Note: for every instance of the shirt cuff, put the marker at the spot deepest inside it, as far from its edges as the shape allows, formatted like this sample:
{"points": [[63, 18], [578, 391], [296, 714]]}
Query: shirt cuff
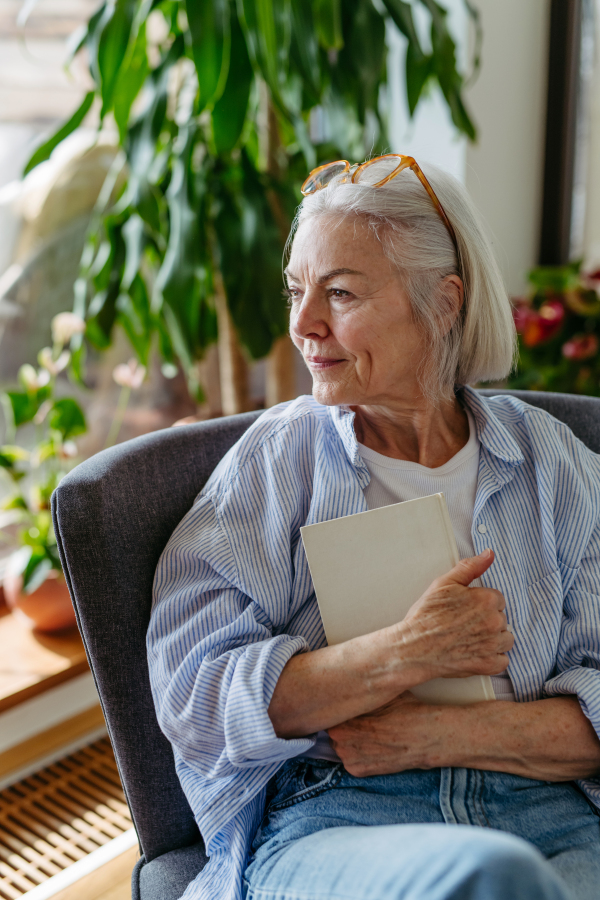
{"points": [[249, 734], [585, 684]]}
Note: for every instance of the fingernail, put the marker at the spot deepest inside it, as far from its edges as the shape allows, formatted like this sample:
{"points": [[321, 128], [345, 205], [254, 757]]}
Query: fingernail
{"points": [[485, 554]]}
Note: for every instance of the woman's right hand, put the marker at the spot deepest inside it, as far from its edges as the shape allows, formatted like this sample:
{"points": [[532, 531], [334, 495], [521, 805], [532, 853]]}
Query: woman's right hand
{"points": [[454, 630]]}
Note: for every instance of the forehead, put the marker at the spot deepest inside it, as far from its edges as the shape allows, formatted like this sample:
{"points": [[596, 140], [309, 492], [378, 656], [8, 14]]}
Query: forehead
{"points": [[326, 243]]}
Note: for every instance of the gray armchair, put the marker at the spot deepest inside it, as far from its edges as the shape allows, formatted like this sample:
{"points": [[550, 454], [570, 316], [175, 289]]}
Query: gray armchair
{"points": [[113, 515]]}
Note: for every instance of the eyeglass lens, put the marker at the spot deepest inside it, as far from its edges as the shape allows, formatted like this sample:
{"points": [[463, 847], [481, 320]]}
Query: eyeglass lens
{"points": [[377, 171], [320, 179]]}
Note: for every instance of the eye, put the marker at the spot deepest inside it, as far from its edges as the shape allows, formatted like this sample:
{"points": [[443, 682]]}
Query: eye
{"points": [[338, 293], [291, 294]]}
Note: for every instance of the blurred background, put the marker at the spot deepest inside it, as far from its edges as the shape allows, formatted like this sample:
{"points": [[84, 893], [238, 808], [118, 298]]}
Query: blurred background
{"points": [[151, 157]]}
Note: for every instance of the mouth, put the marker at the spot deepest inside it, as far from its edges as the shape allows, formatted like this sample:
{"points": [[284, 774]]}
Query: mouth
{"points": [[319, 363]]}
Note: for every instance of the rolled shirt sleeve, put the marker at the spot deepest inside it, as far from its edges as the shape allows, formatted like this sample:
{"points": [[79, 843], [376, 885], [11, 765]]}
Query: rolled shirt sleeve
{"points": [[213, 649], [578, 656]]}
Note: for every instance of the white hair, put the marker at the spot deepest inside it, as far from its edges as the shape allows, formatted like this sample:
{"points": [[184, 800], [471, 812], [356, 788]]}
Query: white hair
{"points": [[481, 344]]}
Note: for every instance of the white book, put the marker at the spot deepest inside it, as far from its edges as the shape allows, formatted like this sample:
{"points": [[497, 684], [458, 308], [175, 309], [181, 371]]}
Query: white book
{"points": [[370, 568]]}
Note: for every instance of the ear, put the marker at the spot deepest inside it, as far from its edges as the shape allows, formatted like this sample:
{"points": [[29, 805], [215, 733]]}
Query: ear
{"points": [[453, 290]]}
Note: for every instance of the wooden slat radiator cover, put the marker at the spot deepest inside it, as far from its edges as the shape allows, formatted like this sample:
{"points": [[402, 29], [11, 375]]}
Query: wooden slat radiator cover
{"points": [[51, 819]]}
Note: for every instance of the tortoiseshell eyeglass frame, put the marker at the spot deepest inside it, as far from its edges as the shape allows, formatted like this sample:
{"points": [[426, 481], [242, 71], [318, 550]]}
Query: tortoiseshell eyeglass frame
{"points": [[404, 162]]}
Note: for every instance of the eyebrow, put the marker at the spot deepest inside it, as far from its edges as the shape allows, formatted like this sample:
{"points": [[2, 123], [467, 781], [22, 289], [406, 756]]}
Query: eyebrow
{"points": [[324, 278]]}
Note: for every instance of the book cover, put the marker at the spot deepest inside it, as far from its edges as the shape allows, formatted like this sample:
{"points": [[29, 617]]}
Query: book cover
{"points": [[368, 570]]}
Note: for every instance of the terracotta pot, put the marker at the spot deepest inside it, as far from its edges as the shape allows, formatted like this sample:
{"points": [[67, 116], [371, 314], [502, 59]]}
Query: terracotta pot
{"points": [[48, 608]]}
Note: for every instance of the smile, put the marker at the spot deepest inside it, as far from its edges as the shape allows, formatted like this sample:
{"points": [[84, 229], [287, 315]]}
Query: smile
{"points": [[322, 362]]}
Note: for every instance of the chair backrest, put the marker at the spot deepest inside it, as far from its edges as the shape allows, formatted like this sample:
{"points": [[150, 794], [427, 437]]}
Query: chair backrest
{"points": [[113, 515]]}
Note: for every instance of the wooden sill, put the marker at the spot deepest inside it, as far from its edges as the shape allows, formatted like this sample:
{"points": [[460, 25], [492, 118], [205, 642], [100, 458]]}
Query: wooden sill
{"points": [[31, 663]]}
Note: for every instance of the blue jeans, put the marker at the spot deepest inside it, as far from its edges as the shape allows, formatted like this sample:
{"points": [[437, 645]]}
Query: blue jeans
{"points": [[444, 834]]}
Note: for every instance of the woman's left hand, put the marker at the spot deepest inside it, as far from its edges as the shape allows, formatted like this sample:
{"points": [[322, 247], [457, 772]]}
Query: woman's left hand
{"points": [[403, 734], [550, 740]]}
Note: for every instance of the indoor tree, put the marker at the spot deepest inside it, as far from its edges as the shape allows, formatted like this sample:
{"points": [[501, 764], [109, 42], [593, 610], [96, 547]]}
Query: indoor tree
{"points": [[221, 108]]}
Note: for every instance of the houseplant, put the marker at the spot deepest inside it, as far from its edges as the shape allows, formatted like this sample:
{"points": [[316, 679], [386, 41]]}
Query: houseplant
{"points": [[558, 325], [33, 582], [221, 107]]}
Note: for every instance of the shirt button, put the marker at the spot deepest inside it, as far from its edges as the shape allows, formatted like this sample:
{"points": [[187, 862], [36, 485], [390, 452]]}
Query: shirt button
{"points": [[481, 528]]}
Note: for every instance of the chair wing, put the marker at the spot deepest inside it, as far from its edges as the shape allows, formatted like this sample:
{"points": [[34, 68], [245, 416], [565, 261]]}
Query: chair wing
{"points": [[113, 515]]}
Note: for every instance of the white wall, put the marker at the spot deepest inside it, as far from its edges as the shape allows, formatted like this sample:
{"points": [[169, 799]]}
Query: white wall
{"points": [[504, 171]]}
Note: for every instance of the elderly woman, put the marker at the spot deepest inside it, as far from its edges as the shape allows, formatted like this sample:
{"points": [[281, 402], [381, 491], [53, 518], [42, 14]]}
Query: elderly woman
{"points": [[313, 772]]}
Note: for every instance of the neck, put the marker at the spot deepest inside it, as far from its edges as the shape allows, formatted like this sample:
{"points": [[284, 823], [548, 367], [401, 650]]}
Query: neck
{"points": [[415, 431]]}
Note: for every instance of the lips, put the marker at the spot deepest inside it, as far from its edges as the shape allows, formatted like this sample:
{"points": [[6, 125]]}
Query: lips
{"points": [[322, 362]]}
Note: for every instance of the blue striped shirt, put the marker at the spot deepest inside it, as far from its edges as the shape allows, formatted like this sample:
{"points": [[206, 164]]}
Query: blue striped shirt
{"points": [[233, 597]]}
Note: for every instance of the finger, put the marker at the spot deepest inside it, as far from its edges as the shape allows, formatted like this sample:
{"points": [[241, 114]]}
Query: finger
{"points": [[467, 570], [507, 642], [502, 661]]}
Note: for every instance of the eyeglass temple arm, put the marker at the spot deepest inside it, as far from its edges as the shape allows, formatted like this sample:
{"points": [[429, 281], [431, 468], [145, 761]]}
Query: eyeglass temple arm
{"points": [[420, 175]]}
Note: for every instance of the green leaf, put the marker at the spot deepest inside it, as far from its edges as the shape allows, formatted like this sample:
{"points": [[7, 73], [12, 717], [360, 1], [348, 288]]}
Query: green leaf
{"points": [[144, 136], [33, 564], [229, 112], [304, 51], [24, 405], [418, 63], [250, 258], [67, 417], [443, 62], [47, 450], [77, 364], [133, 235], [401, 14], [42, 153], [102, 308], [180, 283], [115, 31], [36, 571], [16, 501], [211, 45], [555, 279], [418, 71], [135, 318], [130, 81], [362, 59], [11, 454], [328, 17], [267, 26]]}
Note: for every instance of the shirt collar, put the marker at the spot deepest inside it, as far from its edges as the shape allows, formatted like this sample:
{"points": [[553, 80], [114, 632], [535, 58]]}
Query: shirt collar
{"points": [[492, 434]]}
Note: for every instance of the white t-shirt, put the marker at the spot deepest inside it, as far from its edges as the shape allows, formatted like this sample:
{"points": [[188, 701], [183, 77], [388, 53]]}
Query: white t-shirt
{"points": [[396, 480]]}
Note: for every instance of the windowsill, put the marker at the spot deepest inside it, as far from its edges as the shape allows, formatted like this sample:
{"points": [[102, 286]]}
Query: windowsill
{"points": [[32, 663]]}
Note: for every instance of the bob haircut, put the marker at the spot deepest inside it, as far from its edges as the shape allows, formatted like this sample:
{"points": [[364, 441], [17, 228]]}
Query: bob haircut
{"points": [[481, 344]]}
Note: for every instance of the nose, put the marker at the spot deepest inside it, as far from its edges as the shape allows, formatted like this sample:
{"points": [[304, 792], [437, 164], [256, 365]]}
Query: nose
{"points": [[308, 319]]}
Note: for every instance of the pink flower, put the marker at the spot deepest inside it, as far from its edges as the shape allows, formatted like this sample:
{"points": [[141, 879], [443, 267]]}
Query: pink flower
{"points": [[54, 366], [32, 380], [580, 346], [65, 326], [129, 374]]}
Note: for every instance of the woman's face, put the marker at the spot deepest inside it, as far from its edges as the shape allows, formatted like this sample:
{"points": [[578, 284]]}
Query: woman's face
{"points": [[350, 317]]}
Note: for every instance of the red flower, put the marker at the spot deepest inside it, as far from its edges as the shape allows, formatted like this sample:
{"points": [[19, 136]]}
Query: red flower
{"points": [[580, 346], [521, 312], [540, 325]]}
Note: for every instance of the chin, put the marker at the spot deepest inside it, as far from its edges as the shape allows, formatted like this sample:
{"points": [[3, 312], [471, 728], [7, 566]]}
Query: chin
{"points": [[331, 394]]}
